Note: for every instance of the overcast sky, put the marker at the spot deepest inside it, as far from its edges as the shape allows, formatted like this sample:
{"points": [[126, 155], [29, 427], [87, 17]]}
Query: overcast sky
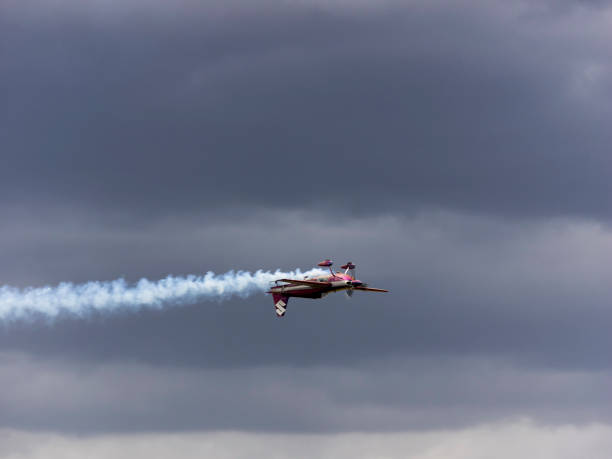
{"points": [[458, 152]]}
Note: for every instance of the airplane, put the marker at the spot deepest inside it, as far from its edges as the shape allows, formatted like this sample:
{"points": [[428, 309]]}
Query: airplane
{"points": [[315, 287]]}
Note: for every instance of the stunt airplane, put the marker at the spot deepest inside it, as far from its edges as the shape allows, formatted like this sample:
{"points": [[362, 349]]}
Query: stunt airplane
{"points": [[317, 286]]}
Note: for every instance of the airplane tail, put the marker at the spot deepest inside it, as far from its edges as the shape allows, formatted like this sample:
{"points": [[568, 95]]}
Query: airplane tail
{"points": [[280, 303]]}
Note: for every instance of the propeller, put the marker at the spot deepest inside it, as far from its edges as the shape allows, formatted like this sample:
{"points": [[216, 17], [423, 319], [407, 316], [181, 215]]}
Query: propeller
{"points": [[349, 293]]}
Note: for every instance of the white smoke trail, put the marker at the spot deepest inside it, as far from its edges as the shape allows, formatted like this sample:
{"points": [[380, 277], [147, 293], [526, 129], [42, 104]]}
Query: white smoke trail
{"points": [[80, 299]]}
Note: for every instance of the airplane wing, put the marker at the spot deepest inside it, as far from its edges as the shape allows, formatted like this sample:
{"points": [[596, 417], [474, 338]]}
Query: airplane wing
{"points": [[370, 289], [306, 282]]}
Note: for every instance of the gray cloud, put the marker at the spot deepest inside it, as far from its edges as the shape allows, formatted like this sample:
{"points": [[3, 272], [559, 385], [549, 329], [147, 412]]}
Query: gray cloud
{"points": [[504, 441], [459, 285], [489, 108], [411, 394]]}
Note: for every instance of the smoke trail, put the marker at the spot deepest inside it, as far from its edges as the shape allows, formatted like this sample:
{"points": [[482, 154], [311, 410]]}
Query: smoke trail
{"points": [[80, 299]]}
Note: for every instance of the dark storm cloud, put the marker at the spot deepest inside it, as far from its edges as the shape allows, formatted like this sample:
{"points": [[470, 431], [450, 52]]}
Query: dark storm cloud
{"points": [[144, 140], [490, 107]]}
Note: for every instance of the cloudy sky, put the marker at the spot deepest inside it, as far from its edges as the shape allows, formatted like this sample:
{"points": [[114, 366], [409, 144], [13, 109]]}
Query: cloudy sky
{"points": [[457, 151]]}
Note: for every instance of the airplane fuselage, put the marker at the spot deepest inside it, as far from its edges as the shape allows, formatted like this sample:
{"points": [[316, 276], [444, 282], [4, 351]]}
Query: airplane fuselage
{"points": [[337, 282]]}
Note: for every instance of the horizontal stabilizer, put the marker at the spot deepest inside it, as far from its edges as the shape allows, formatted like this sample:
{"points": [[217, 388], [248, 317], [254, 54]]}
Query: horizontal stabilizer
{"points": [[280, 304]]}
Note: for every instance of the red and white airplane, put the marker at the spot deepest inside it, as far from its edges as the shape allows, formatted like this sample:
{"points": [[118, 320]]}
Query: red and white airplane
{"points": [[317, 286]]}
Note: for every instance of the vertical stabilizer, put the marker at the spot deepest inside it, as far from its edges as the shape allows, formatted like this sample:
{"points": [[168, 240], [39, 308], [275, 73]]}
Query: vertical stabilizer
{"points": [[280, 303]]}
